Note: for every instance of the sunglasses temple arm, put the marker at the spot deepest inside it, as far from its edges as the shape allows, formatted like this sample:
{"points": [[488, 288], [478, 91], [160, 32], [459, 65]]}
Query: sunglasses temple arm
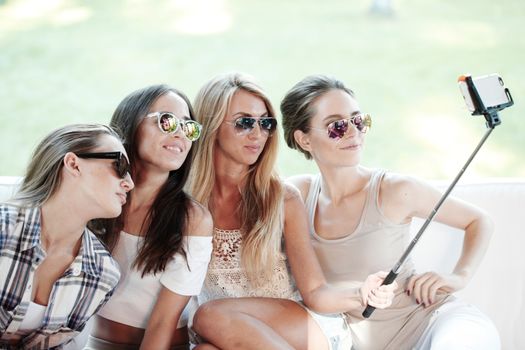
{"points": [[395, 270]]}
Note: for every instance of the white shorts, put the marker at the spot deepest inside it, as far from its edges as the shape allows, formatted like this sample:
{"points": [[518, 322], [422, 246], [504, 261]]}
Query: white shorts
{"points": [[334, 328]]}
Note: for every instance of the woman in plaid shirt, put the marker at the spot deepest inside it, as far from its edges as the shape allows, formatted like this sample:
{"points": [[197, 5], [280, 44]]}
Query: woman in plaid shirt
{"points": [[54, 273]]}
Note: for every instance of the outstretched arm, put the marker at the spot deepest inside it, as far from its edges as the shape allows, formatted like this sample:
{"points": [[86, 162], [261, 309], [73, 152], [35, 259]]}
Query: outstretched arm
{"points": [[410, 197]]}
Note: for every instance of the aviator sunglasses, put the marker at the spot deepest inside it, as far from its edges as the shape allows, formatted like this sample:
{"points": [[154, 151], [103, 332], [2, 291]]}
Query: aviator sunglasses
{"points": [[168, 123], [338, 128], [122, 165], [245, 125]]}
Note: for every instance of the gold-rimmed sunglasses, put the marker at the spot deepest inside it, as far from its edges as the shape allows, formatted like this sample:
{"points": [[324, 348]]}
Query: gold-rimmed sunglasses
{"points": [[168, 123]]}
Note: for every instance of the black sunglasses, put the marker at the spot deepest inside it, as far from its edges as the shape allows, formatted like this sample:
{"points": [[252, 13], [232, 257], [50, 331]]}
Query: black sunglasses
{"points": [[121, 165], [244, 125]]}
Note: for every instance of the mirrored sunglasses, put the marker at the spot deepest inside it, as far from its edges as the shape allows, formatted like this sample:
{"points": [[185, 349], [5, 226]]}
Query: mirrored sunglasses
{"points": [[337, 129], [122, 165], [245, 125], [168, 123]]}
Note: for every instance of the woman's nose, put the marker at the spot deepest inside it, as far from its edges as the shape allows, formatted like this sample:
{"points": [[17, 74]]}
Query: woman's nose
{"points": [[128, 182], [257, 131]]}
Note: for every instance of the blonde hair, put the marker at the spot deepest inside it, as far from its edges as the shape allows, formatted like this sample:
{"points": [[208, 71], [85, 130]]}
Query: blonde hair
{"points": [[261, 207], [43, 175]]}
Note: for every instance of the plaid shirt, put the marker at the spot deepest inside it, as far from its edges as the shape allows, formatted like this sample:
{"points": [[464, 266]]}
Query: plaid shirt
{"points": [[84, 287]]}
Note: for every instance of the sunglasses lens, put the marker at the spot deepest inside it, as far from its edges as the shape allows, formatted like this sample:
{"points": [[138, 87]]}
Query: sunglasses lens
{"points": [[358, 123], [362, 122], [168, 123], [245, 123], [122, 166], [192, 130], [337, 129], [268, 124]]}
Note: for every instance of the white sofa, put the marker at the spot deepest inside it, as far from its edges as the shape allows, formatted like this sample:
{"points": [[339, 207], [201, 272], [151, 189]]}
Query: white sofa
{"points": [[498, 288]]}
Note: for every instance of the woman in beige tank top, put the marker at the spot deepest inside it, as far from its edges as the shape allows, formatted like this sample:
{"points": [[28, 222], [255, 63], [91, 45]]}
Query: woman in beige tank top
{"points": [[359, 222]]}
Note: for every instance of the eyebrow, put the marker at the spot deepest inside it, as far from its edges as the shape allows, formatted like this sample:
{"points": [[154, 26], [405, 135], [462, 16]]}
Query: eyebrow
{"points": [[245, 114], [340, 116]]}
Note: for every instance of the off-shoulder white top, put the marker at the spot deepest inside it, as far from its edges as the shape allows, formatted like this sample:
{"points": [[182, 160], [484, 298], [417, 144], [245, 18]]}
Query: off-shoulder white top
{"points": [[135, 296]]}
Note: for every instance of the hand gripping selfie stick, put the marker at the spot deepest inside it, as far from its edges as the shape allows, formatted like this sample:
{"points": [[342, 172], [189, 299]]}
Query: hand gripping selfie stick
{"points": [[492, 120]]}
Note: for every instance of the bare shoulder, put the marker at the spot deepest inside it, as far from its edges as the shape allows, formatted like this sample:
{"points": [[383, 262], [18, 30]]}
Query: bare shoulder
{"points": [[403, 196], [200, 221], [291, 193], [292, 199], [294, 213], [301, 182], [394, 185]]}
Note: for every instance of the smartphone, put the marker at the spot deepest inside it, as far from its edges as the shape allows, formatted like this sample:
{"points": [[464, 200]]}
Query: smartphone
{"points": [[491, 91]]}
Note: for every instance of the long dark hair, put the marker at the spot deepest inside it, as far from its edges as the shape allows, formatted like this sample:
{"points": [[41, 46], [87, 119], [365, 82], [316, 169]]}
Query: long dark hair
{"points": [[168, 216]]}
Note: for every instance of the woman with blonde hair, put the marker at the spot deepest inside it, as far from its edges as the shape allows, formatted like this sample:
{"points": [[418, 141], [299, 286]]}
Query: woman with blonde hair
{"points": [[249, 299], [54, 273]]}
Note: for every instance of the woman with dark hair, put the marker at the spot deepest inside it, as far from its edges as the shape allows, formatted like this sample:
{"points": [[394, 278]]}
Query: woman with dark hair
{"points": [[162, 240], [359, 220], [54, 273]]}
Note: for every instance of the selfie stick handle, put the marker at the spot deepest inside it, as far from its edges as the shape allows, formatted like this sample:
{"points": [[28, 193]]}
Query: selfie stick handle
{"points": [[395, 270]]}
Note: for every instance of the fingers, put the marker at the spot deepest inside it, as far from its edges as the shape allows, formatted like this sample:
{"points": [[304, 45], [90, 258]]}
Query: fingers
{"points": [[375, 280], [392, 285], [424, 287], [372, 282], [375, 294], [381, 298]]}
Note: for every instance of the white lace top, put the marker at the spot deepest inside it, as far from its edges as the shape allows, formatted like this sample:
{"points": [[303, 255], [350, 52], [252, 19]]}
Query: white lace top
{"points": [[227, 278]]}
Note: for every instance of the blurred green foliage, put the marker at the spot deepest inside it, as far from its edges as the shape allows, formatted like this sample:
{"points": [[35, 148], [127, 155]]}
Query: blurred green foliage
{"points": [[73, 61]]}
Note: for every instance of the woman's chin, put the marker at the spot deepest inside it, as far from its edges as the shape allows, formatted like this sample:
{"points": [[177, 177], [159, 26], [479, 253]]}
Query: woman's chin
{"points": [[112, 212]]}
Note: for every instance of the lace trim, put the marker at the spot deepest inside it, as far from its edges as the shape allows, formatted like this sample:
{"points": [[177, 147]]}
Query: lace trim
{"points": [[226, 244], [227, 278]]}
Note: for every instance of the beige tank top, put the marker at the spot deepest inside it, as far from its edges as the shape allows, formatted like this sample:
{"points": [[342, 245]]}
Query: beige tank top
{"points": [[376, 244]]}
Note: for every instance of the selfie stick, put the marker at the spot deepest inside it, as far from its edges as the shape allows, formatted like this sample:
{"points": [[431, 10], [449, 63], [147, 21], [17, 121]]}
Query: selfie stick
{"points": [[492, 120]]}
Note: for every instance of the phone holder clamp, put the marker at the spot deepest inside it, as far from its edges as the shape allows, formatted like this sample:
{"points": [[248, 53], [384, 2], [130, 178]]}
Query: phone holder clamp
{"points": [[491, 113]]}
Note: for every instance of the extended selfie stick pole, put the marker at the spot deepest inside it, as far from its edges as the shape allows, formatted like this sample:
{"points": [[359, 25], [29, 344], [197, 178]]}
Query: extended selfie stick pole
{"points": [[492, 119], [395, 270]]}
